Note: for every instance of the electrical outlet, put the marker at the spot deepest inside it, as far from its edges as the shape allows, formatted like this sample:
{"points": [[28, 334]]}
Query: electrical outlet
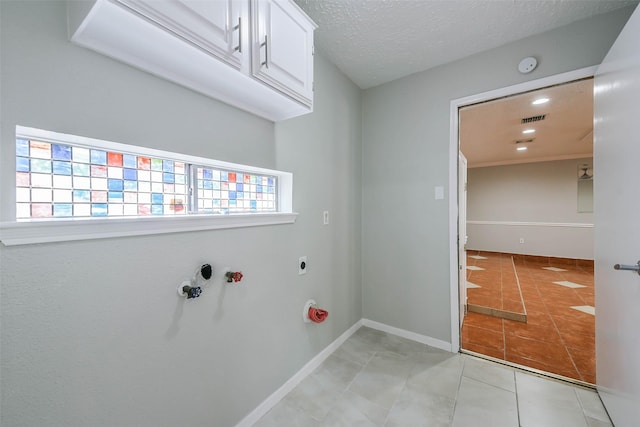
{"points": [[522, 240], [302, 265]]}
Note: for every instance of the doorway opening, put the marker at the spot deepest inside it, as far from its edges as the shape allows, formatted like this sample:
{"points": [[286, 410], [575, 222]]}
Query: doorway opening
{"points": [[525, 282]]}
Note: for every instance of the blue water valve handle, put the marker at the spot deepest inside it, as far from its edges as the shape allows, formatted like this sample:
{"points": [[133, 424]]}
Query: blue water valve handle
{"points": [[192, 292]]}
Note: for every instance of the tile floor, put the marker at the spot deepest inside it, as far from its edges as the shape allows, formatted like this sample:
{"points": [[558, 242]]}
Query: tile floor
{"points": [[559, 336], [378, 379], [495, 284]]}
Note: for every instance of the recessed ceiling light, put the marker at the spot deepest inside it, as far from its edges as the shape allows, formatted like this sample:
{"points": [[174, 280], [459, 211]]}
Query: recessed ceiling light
{"points": [[528, 131], [521, 148], [540, 101]]}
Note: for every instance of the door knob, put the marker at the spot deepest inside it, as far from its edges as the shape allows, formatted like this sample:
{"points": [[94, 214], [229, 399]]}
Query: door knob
{"points": [[635, 268]]}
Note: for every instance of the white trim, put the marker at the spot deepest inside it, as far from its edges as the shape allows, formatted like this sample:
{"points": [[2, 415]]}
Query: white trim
{"points": [[453, 173], [532, 160], [64, 230], [45, 230], [454, 263], [433, 342], [297, 378], [533, 224]]}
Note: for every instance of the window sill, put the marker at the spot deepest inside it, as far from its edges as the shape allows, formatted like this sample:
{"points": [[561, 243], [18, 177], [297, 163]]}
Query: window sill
{"points": [[64, 230]]}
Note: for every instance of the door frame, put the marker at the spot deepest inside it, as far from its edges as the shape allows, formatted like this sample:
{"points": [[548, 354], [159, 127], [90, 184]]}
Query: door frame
{"points": [[454, 147], [462, 236]]}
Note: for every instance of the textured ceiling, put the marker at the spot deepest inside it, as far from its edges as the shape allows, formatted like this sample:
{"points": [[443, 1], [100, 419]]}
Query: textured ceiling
{"points": [[377, 41]]}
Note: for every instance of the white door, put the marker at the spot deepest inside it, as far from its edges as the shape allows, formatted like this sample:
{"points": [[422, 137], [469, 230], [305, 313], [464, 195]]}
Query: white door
{"points": [[617, 226], [462, 234]]}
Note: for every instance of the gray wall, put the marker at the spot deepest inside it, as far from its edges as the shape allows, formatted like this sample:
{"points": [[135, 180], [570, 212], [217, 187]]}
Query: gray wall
{"points": [[543, 193], [93, 333], [405, 255]]}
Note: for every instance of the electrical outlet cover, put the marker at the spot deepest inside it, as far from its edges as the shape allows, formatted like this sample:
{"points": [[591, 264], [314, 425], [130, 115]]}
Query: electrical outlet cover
{"points": [[302, 265]]}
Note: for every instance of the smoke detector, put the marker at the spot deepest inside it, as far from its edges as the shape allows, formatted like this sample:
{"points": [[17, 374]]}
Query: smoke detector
{"points": [[527, 65]]}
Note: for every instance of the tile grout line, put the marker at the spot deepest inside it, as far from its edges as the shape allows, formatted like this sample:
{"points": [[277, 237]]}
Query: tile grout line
{"points": [[501, 284], [504, 341], [557, 330], [455, 400], [564, 344], [515, 271], [504, 334], [515, 384], [584, 412], [354, 379]]}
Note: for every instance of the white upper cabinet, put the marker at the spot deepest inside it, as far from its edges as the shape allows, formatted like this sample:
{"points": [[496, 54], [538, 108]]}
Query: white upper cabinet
{"points": [[283, 36], [214, 26], [256, 55]]}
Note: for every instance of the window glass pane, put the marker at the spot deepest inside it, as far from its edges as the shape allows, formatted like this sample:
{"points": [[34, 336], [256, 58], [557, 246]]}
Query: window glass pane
{"points": [[114, 159], [63, 176], [40, 150], [22, 147], [129, 161], [61, 152], [41, 210], [226, 192], [98, 157], [61, 168], [80, 155], [60, 180]]}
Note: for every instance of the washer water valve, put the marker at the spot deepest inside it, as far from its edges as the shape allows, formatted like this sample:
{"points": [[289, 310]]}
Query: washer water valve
{"points": [[188, 288], [191, 292], [233, 276]]}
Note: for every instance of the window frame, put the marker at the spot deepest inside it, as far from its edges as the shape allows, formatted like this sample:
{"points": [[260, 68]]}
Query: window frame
{"points": [[44, 230]]}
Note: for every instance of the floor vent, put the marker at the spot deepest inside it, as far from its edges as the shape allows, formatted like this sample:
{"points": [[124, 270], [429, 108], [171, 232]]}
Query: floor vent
{"points": [[533, 119]]}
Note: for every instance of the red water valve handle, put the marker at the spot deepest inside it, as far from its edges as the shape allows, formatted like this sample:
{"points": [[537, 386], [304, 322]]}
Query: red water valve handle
{"points": [[233, 276]]}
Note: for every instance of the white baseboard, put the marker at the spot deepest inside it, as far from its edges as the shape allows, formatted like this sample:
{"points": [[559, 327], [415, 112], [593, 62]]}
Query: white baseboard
{"points": [[433, 342], [292, 382], [307, 369]]}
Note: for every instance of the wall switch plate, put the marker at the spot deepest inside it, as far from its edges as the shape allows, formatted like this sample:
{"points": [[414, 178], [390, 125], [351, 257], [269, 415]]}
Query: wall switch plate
{"points": [[325, 217], [439, 192], [302, 265]]}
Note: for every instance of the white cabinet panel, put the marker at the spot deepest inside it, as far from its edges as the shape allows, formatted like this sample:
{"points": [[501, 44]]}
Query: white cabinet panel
{"points": [[213, 26], [283, 48], [210, 46]]}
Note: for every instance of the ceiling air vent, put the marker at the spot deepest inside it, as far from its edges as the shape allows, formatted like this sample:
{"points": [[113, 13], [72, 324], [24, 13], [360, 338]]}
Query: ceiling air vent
{"points": [[533, 119], [524, 141]]}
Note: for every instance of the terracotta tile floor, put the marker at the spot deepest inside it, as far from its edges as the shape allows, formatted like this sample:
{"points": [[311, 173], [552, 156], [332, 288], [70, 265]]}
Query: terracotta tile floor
{"points": [[497, 280], [556, 337]]}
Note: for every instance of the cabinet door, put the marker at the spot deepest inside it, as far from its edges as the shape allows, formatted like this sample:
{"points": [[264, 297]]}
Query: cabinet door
{"points": [[283, 48], [216, 27]]}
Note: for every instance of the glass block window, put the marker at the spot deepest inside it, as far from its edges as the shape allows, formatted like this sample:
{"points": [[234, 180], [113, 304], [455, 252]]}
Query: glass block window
{"points": [[223, 192], [63, 179], [60, 180]]}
